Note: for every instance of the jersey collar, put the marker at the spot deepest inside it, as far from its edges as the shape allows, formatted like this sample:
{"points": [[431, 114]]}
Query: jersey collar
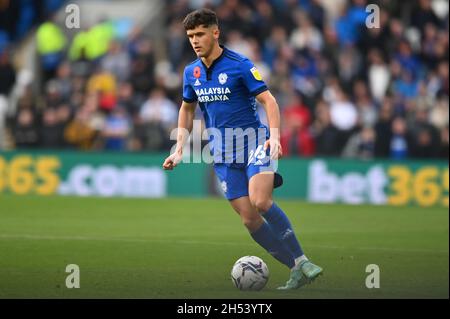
{"points": [[216, 60]]}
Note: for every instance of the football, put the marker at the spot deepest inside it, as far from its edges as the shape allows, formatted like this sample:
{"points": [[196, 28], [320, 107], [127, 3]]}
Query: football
{"points": [[250, 273]]}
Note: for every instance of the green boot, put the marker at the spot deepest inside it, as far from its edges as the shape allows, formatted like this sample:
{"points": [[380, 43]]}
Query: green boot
{"points": [[302, 274]]}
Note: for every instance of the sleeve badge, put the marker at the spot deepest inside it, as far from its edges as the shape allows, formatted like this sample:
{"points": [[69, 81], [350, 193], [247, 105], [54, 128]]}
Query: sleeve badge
{"points": [[256, 73]]}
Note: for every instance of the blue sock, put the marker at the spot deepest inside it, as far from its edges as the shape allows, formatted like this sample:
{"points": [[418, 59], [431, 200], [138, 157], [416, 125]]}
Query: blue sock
{"points": [[281, 226], [266, 238]]}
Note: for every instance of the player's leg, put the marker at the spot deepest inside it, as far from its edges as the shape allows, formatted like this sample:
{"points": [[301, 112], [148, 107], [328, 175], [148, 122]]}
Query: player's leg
{"points": [[260, 193], [260, 231], [234, 184]]}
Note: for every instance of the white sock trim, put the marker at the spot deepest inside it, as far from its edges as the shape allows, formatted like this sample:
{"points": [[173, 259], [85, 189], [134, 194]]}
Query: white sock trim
{"points": [[300, 259]]}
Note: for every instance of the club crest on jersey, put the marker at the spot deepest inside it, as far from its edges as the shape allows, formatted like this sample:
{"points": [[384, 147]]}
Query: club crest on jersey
{"points": [[256, 73], [223, 78], [224, 186]]}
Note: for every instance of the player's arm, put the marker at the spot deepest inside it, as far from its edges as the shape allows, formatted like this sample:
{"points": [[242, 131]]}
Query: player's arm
{"points": [[270, 105], [185, 123]]}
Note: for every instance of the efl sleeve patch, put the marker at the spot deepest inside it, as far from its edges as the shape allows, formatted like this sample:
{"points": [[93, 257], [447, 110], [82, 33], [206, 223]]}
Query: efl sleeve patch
{"points": [[256, 73], [252, 78]]}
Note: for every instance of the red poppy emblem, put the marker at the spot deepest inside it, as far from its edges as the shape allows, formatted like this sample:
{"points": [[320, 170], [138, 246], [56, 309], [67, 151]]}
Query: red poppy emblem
{"points": [[197, 72]]}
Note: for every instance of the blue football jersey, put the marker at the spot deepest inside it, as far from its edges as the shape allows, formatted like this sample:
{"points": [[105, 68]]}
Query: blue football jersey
{"points": [[226, 94]]}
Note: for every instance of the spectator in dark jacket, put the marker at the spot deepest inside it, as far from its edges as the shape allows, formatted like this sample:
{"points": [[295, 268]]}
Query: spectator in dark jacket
{"points": [[7, 74], [326, 135], [383, 129], [26, 131], [425, 137]]}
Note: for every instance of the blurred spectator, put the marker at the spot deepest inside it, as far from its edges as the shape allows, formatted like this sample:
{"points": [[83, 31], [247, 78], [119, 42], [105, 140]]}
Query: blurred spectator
{"points": [[367, 113], [305, 74], [236, 42], [158, 108], [273, 45], [424, 100], [396, 35], [424, 14], [7, 74], [425, 136], [351, 22], [53, 96], [7, 81], [279, 81], [103, 84], [128, 100], [3, 115], [79, 133], [18, 17], [424, 145], [383, 129], [439, 113], [325, 134], [176, 43], [25, 129], [157, 117], [378, 75], [344, 117], [349, 66], [63, 80], [296, 138], [93, 43], [53, 122], [407, 60], [117, 62], [406, 87], [444, 146], [361, 144], [142, 68], [317, 13], [115, 130], [51, 42], [263, 19], [399, 143], [9, 13], [305, 36], [375, 39], [442, 72], [433, 48]]}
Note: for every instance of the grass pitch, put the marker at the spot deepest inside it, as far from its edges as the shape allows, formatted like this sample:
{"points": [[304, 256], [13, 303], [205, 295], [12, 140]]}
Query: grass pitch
{"points": [[185, 248]]}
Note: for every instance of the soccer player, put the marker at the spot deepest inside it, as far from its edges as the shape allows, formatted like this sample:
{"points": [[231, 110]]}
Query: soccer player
{"points": [[225, 85]]}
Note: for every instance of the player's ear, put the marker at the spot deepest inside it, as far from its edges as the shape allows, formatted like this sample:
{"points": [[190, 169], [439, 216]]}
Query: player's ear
{"points": [[216, 32]]}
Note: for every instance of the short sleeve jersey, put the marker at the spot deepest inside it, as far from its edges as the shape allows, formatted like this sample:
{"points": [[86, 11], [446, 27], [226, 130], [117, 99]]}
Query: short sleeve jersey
{"points": [[226, 94]]}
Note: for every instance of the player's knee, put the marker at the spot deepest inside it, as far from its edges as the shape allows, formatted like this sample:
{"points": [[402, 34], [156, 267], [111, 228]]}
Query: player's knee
{"points": [[252, 223], [262, 205]]}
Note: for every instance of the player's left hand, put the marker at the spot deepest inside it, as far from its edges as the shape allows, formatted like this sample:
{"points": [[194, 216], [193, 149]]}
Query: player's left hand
{"points": [[275, 148]]}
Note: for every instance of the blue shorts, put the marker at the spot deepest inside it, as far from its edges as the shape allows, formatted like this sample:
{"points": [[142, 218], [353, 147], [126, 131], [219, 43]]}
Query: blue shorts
{"points": [[234, 177]]}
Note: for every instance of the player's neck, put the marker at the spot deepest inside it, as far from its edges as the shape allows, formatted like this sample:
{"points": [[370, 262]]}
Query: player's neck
{"points": [[215, 53]]}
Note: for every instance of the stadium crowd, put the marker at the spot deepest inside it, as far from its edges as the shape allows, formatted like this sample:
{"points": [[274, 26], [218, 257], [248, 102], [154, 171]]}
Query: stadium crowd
{"points": [[343, 89]]}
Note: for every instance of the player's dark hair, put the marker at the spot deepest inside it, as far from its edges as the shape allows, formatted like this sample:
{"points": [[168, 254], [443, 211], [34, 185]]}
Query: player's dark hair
{"points": [[200, 17]]}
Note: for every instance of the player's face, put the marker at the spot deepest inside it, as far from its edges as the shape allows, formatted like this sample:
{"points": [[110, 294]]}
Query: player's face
{"points": [[203, 39]]}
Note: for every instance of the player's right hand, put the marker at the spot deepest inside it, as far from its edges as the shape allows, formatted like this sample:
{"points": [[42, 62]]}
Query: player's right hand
{"points": [[172, 161]]}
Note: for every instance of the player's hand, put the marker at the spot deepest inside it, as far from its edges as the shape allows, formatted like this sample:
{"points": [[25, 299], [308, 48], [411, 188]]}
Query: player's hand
{"points": [[275, 148], [172, 161]]}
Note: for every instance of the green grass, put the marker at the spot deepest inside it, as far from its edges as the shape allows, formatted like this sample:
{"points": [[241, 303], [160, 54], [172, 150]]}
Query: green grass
{"points": [[185, 248]]}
